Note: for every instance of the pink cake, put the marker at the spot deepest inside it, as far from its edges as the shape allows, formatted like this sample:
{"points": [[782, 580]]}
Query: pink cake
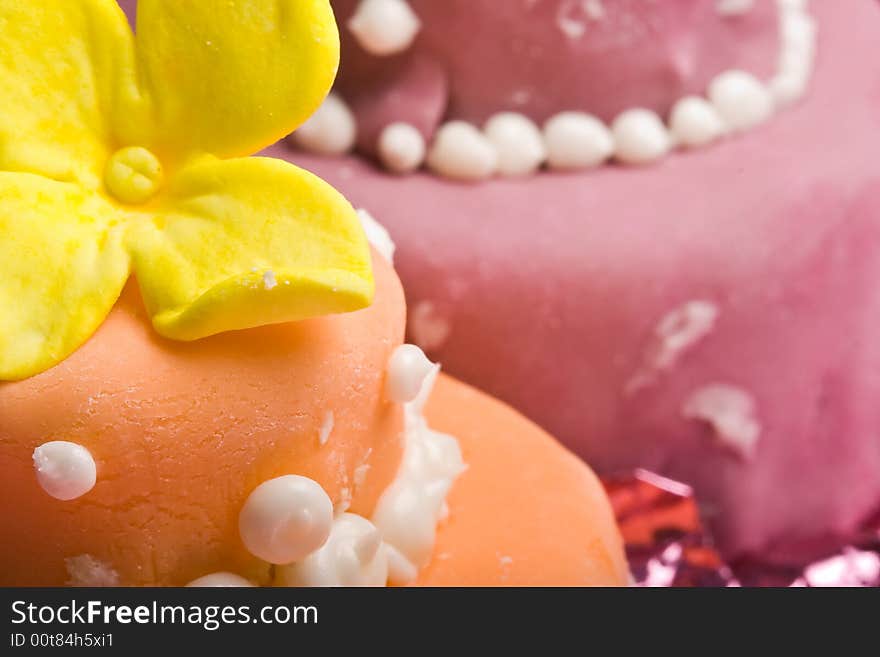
{"points": [[666, 252], [709, 315]]}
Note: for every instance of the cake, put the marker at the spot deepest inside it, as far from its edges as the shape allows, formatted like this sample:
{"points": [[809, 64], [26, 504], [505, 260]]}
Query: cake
{"points": [[203, 374], [651, 226]]}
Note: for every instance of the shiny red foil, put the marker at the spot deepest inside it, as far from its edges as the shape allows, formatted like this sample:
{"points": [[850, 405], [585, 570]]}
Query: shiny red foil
{"points": [[667, 544]]}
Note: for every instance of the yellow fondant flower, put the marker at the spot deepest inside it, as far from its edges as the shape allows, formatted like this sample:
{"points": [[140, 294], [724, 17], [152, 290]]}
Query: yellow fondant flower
{"points": [[123, 154]]}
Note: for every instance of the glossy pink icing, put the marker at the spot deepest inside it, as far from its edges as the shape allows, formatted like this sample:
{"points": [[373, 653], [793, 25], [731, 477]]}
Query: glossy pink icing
{"points": [[553, 287], [473, 58]]}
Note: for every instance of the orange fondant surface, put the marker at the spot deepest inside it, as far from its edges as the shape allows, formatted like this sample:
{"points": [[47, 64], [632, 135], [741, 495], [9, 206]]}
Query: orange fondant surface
{"points": [[183, 432], [526, 512]]}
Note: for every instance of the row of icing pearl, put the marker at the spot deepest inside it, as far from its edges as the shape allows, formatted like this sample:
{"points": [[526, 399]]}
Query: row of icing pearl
{"points": [[289, 522], [510, 144]]}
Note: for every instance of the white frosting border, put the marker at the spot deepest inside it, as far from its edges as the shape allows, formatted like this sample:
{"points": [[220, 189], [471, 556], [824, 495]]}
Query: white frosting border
{"points": [[512, 145]]}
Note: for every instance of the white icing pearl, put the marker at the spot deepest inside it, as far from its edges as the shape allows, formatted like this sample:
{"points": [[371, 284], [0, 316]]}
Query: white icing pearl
{"points": [[285, 519], [575, 140], [517, 141], [352, 556], [65, 470], [377, 235], [384, 27], [407, 369], [401, 148], [640, 137], [462, 152], [695, 122], [331, 130], [741, 99], [221, 580]]}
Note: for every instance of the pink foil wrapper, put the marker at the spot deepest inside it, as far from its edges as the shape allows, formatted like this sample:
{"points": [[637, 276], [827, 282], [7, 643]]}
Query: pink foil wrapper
{"points": [[667, 544]]}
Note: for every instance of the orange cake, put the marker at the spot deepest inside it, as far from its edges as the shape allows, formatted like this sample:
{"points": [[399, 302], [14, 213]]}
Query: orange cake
{"points": [[203, 378]]}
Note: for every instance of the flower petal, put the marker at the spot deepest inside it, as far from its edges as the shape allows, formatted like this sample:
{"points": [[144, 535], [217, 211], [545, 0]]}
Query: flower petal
{"points": [[65, 67], [231, 77], [62, 266], [247, 242]]}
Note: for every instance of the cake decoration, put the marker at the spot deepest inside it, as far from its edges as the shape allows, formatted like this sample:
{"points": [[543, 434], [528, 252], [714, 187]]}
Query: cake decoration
{"points": [[331, 130], [695, 122], [730, 411], [678, 331], [64, 470], [286, 519], [86, 570], [736, 101], [221, 580], [462, 152], [378, 236], [401, 148], [354, 555], [384, 27], [407, 371], [518, 142], [576, 140], [640, 137], [123, 155], [410, 509]]}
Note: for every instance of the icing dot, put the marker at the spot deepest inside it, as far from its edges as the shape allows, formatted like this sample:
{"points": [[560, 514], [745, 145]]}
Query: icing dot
{"points": [[352, 556], [86, 570], [576, 141], [407, 369], [331, 130], [518, 143], [326, 428], [401, 148], [639, 137], [429, 328], [224, 580], [734, 7], [285, 519], [741, 100], [462, 152], [133, 175], [377, 235], [695, 122], [65, 470], [731, 413], [384, 27]]}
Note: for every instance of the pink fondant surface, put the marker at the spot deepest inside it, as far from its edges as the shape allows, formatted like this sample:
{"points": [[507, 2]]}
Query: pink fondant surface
{"points": [[552, 288], [473, 58]]}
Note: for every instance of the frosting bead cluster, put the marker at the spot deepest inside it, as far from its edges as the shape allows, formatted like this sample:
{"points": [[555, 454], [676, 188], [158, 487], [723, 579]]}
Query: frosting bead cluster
{"points": [[511, 144], [289, 521]]}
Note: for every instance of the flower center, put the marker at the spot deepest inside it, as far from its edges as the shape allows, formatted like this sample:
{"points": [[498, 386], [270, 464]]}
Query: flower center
{"points": [[133, 175]]}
